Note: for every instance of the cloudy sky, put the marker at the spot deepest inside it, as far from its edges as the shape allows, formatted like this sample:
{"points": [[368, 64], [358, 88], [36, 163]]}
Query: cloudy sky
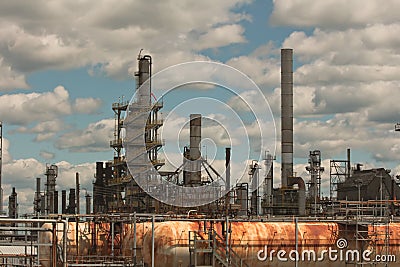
{"points": [[63, 63]]}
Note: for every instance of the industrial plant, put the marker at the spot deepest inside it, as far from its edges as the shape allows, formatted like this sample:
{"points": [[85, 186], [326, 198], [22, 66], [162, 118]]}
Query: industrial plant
{"points": [[127, 223]]}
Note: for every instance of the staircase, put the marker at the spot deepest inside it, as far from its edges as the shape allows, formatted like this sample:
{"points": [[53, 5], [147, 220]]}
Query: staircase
{"points": [[210, 250]]}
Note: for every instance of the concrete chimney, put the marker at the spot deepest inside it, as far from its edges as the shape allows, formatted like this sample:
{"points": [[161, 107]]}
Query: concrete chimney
{"points": [[287, 114]]}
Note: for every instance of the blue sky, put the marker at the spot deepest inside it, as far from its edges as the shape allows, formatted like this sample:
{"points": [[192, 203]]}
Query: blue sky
{"points": [[63, 64]]}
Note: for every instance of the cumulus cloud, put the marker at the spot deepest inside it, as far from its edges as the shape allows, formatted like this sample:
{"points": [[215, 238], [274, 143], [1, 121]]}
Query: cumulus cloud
{"points": [[34, 106], [86, 105], [96, 137], [262, 66], [334, 13], [42, 113], [69, 35]]}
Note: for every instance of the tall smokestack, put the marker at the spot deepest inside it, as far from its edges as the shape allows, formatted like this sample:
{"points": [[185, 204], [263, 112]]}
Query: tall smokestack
{"points": [[194, 152], [287, 114]]}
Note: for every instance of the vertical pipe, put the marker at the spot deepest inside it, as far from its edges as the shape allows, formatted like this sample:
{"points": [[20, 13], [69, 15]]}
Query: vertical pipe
{"points": [[296, 232], [77, 193], [65, 232], [112, 237], [152, 240], [134, 239], [77, 235], [228, 169], [228, 254], [348, 163], [269, 167], [287, 114], [227, 179], [54, 245]]}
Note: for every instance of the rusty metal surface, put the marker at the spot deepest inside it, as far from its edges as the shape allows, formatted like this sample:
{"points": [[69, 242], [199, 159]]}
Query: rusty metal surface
{"points": [[247, 238]]}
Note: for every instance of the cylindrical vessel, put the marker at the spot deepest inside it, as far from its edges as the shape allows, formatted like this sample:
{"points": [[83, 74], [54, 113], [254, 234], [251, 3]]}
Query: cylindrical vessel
{"points": [[253, 240]]}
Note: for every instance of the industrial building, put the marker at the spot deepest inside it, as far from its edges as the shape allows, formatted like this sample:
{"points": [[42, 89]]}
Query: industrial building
{"points": [[125, 226]]}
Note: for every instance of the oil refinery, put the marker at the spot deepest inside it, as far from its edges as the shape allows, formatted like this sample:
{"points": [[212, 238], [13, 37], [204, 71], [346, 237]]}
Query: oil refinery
{"points": [[253, 224]]}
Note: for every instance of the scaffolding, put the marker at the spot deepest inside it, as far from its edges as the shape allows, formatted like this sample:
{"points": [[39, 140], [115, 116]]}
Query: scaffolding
{"points": [[209, 249], [338, 174]]}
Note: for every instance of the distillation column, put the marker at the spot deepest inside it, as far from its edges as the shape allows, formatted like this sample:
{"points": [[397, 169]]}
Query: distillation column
{"points": [[51, 174]]}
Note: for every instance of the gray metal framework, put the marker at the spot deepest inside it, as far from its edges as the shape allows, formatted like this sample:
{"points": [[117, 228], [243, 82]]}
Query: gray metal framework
{"points": [[338, 174]]}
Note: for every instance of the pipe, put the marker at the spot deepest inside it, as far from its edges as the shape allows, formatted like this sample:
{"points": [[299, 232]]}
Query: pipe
{"points": [[348, 163], [77, 193], [227, 179], [296, 232], [269, 161], [152, 240], [227, 169], [134, 239], [112, 238], [302, 193]]}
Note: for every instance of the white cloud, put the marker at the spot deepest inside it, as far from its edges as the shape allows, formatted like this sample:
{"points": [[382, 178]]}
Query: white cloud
{"points": [[221, 36], [262, 66], [34, 106], [96, 137], [86, 105], [334, 13], [69, 35], [45, 108]]}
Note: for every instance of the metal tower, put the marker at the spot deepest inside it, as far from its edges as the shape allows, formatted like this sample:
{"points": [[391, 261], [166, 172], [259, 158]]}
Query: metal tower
{"points": [[339, 172], [315, 171]]}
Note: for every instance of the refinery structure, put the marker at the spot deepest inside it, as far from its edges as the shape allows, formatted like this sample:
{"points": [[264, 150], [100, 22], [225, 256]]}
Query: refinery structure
{"points": [[251, 225]]}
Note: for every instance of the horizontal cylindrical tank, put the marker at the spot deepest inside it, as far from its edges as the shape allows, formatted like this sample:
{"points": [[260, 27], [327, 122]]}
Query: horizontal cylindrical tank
{"points": [[247, 239], [128, 240], [93, 239]]}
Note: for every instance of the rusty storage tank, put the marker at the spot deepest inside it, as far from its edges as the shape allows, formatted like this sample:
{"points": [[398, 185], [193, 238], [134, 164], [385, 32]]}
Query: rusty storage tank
{"points": [[247, 239], [128, 239], [93, 239]]}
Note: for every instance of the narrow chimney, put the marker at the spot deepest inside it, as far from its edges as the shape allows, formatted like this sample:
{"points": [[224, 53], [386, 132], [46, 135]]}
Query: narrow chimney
{"points": [[287, 114], [194, 152]]}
